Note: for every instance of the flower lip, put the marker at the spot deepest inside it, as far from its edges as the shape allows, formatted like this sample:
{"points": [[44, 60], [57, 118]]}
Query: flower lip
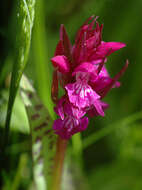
{"points": [[81, 94]]}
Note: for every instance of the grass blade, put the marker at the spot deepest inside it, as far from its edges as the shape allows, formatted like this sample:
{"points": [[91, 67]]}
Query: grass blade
{"points": [[24, 23]]}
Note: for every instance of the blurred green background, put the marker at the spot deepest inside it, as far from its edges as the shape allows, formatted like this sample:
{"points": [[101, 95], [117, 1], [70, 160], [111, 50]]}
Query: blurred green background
{"points": [[112, 153]]}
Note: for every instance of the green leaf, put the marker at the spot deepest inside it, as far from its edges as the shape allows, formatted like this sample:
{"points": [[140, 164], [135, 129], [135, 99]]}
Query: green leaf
{"points": [[43, 137], [24, 23]]}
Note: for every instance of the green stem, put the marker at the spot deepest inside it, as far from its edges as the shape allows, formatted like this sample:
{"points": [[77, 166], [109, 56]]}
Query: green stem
{"points": [[59, 162], [77, 148]]}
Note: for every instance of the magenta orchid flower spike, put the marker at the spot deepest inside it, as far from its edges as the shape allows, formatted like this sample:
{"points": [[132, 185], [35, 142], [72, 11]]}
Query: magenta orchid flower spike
{"points": [[81, 72]]}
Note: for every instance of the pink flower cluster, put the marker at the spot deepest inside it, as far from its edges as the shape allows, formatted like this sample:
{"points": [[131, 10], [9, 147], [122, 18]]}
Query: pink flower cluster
{"points": [[81, 72]]}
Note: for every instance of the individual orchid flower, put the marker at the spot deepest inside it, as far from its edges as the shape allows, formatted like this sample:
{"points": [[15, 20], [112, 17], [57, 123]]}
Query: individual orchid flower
{"points": [[82, 95], [71, 119], [80, 70]]}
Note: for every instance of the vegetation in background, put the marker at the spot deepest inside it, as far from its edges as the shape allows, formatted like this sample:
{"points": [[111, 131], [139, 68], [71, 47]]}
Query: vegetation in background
{"points": [[109, 154]]}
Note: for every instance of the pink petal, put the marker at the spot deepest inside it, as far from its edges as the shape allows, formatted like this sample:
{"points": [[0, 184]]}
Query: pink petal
{"points": [[94, 112], [59, 49], [106, 48], [66, 42], [61, 63], [73, 111], [83, 124], [86, 67], [91, 25], [54, 89], [69, 126], [79, 49], [64, 107], [104, 72], [101, 83], [83, 29], [114, 46], [98, 61], [95, 39], [98, 106], [60, 110]]}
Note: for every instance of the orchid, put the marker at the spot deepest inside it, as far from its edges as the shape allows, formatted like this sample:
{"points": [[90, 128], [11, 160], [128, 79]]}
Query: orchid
{"points": [[80, 70]]}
